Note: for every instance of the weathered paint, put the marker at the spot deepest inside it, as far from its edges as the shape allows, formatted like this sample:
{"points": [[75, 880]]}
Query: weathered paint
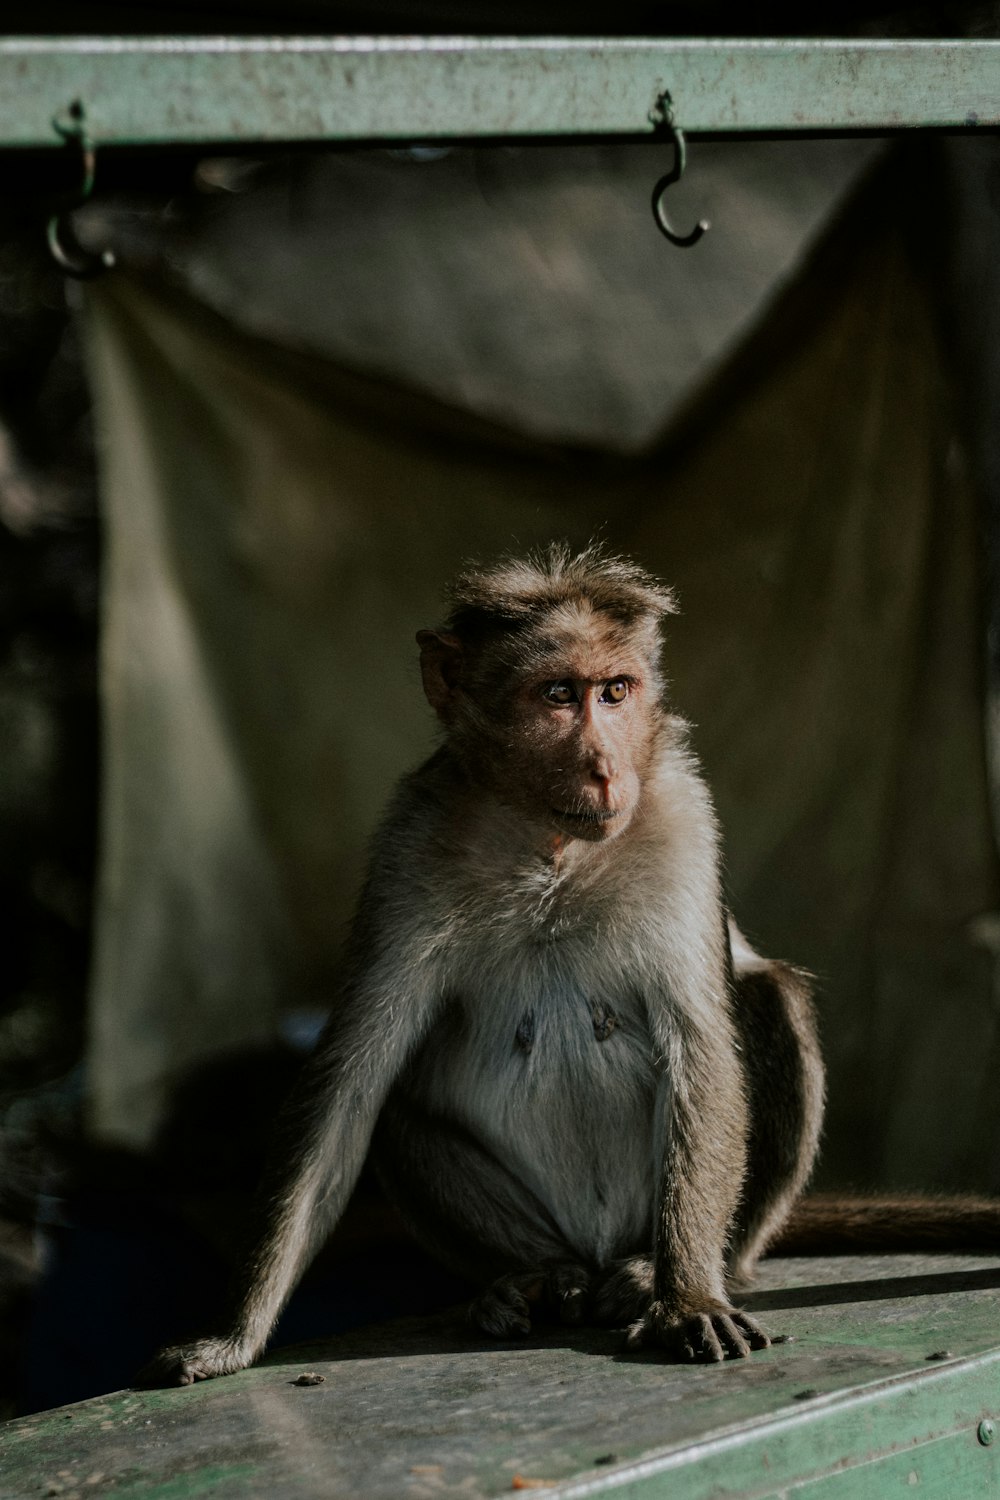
{"points": [[150, 91], [418, 1409]]}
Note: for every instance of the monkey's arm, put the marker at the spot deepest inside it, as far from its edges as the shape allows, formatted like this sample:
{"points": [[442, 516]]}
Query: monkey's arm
{"points": [[702, 1134], [704, 1129], [323, 1137]]}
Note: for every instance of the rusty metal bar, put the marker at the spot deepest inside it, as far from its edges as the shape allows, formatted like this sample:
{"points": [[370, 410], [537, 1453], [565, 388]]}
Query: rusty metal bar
{"points": [[165, 91]]}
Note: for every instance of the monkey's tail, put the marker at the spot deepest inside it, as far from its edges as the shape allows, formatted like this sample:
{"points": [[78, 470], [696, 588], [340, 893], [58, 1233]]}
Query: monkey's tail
{"points": [[831, 1224]]}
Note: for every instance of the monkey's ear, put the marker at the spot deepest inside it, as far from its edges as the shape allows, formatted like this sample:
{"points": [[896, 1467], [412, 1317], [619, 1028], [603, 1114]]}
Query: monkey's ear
{"points": [[440, 666]]}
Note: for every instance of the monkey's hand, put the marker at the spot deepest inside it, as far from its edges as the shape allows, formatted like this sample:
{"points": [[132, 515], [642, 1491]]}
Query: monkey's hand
{"points": [[718, 1332], [183, 1364]]}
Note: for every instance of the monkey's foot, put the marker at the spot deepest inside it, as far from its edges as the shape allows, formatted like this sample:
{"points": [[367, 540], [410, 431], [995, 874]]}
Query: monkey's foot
{"points": [[624, 1292], [703, 1337], [560, 1291], [183, 1364]]}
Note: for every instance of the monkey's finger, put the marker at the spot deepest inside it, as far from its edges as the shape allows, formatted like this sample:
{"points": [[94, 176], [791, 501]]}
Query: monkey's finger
{"points": [[636, 1335], [731, 1336], [568, 1293], [178, 1367], [572, 1305], [757, 1337], [701, 1340], [691, 1340]]}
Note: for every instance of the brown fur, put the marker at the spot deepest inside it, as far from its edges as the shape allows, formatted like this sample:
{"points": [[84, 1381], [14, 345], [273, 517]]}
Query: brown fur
{"points": [[829, 1223], [582, 1089]]}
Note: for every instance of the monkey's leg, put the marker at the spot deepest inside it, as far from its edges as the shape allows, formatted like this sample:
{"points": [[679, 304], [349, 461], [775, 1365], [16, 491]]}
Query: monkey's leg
{"points": [[477, 1217], [560, 1290], [784, 1072]]}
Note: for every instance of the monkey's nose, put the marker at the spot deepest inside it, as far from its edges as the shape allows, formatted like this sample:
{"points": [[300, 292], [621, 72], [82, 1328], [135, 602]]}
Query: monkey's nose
{"points": [[603, 777]]}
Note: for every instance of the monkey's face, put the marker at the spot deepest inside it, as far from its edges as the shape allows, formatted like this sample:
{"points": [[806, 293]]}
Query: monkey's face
{"points": [[557, 716], [578, 726]]}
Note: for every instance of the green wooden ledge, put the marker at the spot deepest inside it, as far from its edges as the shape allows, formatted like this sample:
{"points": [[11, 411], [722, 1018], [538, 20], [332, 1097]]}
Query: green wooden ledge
{"points": [[852, 1407]]}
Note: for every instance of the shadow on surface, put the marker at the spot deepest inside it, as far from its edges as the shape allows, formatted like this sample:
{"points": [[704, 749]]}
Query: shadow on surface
{"points": [[933, 1284], [442, 1333], [448, 1333]]}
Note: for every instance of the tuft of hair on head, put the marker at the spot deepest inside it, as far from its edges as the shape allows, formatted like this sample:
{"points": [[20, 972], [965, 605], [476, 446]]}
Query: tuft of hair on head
{"points": [[515, 590]]}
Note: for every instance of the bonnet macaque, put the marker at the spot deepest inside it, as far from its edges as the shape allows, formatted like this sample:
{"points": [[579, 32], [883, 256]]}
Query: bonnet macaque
{"points": [[580, 1085]]}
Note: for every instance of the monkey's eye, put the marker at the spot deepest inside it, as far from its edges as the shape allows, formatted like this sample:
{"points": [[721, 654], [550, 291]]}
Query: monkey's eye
{"points": [[559, 693], [615, 692]]}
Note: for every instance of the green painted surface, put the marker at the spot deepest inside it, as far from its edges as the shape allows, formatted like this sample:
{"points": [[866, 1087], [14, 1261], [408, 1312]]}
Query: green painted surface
{"points": [[913, 1430], [184, 89], [949, 1468], [419, 1409], [222, 1478]]}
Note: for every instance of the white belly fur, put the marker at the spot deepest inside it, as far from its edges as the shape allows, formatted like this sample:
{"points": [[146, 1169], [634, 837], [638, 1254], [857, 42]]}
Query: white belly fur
{"points": [[591, 1163]]}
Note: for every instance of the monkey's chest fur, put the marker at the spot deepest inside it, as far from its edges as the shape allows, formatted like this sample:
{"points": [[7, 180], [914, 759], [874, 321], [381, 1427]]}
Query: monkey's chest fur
{"points": [[543, 1056]]}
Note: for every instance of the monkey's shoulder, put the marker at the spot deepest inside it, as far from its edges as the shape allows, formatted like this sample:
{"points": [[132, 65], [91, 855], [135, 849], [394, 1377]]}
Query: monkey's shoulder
{"points": [[678, 792], [422, 794]]}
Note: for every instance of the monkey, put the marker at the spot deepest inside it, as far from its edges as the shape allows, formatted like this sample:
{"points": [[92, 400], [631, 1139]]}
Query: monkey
{"points": [[582, 1087]]}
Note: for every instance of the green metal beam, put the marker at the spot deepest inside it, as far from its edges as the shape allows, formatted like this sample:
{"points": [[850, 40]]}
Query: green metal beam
{"points": [[164, 91]]}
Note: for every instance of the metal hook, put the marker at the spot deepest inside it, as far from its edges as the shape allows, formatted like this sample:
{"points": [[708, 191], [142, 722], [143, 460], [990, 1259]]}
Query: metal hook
{"points": [[68, 253], [663, 119]]}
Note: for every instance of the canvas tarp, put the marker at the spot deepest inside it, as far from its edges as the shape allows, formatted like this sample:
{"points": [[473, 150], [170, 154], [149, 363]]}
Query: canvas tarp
{"points": [[278, 530]]}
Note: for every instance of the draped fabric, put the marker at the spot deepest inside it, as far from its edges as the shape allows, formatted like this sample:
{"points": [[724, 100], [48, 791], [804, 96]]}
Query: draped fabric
{"points": [[278, 529]]}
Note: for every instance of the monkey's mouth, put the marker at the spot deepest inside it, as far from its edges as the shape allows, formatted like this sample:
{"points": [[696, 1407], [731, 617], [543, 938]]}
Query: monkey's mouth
{"points": [[593, 817]]}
